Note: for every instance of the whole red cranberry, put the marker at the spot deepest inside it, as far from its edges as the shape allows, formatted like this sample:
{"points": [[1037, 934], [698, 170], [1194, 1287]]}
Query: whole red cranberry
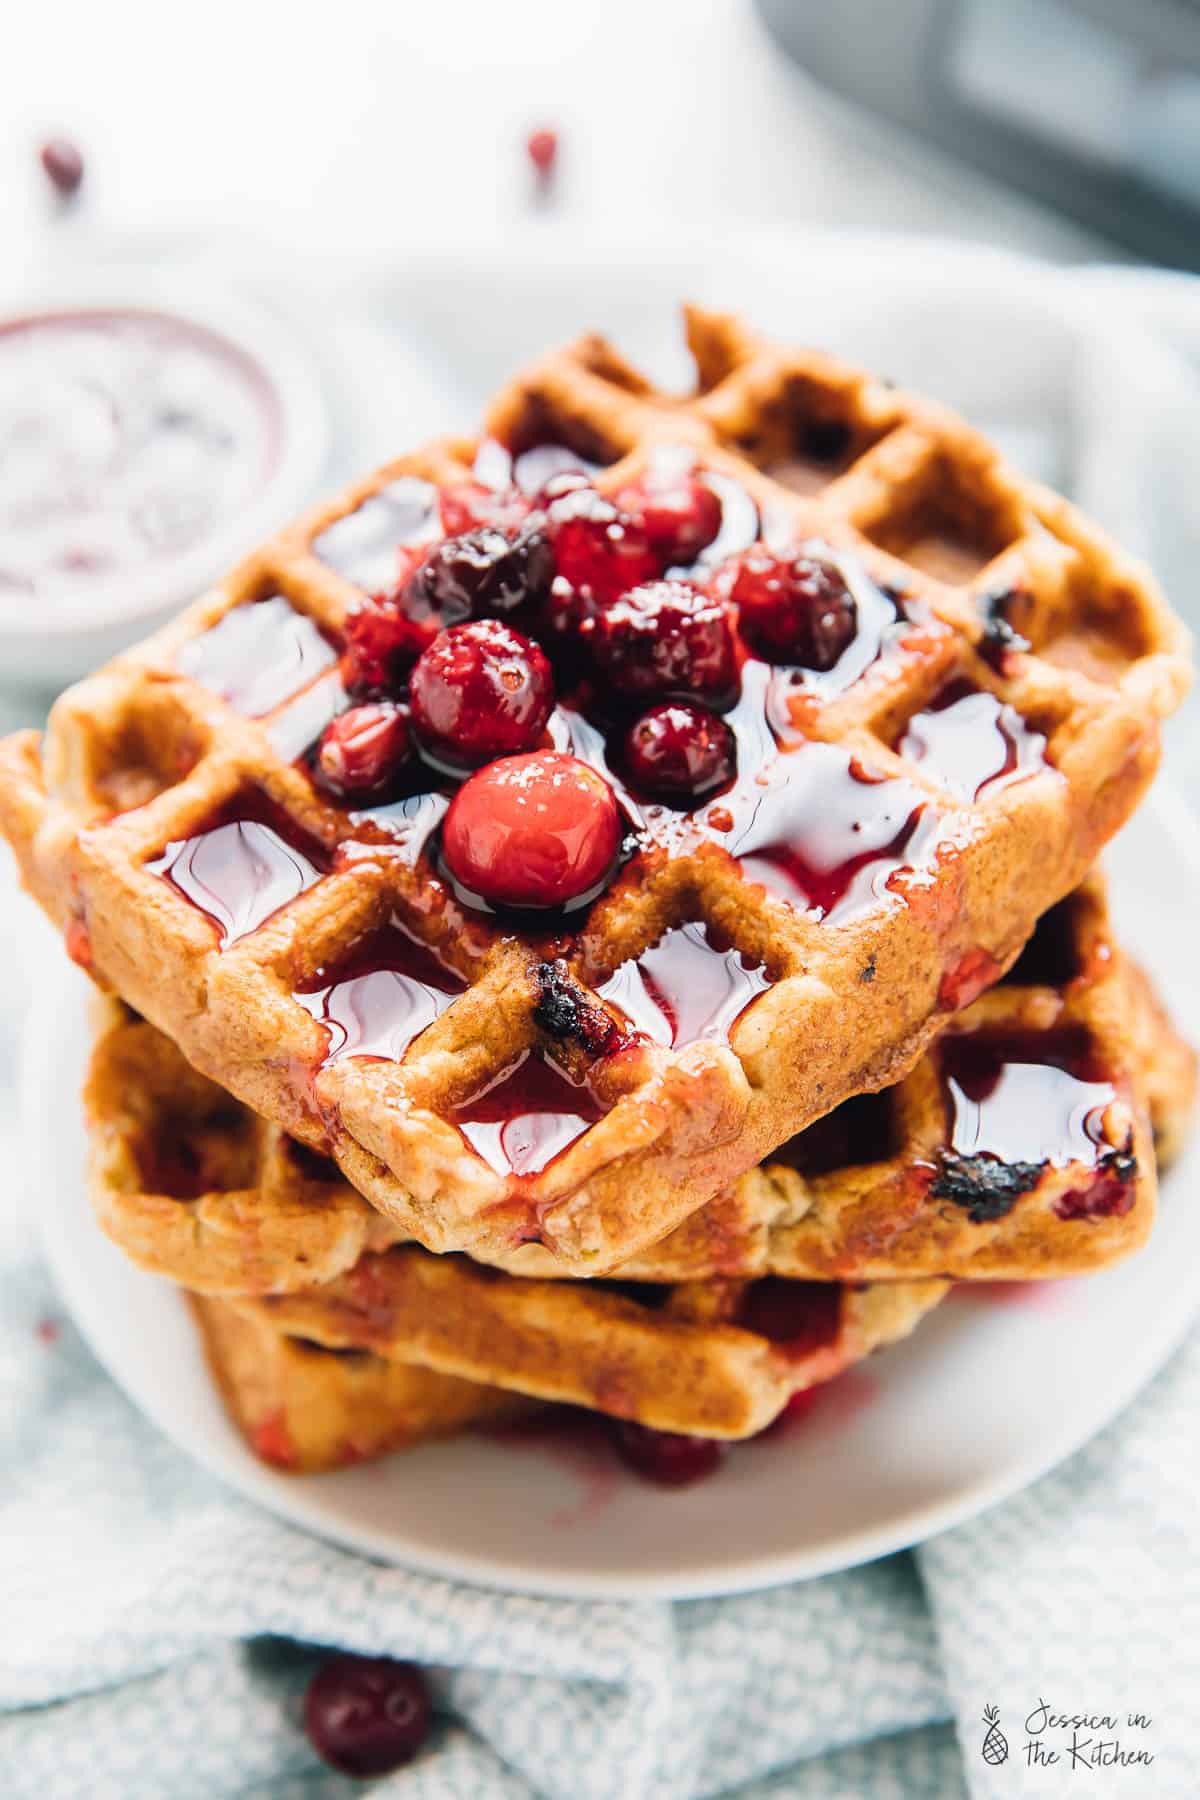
{"points": [[481, 690], [668, 1457], [63, 162], [542, 147], [800, 1316], [597, 549], [483, 573], [362, 751], [678, 512], [367, 1715], [537, 830], [665, 636], [382, 643], [680, 750], [795, 609]]}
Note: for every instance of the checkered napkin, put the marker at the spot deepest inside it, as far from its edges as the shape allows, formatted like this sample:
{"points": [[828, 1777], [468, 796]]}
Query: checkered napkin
{"points": [[158, 1633]]}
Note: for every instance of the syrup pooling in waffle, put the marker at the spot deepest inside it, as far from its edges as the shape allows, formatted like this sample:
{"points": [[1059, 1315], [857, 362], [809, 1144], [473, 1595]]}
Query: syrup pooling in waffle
{"points": [[586, 697]]}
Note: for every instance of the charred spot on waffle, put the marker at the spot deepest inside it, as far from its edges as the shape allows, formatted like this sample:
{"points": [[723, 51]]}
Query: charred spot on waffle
{"points": [[986, 1188], [867, 972], [564, 1012], [999, 635]]}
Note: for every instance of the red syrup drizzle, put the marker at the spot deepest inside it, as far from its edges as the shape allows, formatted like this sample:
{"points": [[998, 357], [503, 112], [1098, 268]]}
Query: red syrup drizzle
{"points": [[259, 655], [380, 998], [685, 987], [364, 545], [242, 867], [970, 741], [1026, 1097], [527, 1118]]}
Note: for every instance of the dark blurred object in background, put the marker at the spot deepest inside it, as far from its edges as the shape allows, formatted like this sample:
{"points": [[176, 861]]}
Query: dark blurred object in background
{"points": [[1092, 106]]}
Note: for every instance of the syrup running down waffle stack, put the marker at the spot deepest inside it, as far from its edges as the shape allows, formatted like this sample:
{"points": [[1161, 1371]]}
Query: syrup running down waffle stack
{"points": [[510, 857]]}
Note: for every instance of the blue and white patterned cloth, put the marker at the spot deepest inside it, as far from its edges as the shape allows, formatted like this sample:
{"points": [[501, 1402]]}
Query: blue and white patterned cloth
{"points": [[158, 1632]]}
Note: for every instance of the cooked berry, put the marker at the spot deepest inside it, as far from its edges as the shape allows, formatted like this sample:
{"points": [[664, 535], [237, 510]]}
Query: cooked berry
{"points": [[668, 1457], [363, 750], [1111, 1192], [794, 609], [535, 830], [63, 162], [466, 505], [382, 643], [680, 750], [801, 1316], [564, 1011], [367, 1715], [665, 636], [483, 573], [678, 512], [481, 690], [597, 549]]}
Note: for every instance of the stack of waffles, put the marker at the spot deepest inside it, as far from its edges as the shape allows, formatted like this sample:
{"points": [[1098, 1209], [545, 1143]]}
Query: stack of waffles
{"points": [[603, 914]]}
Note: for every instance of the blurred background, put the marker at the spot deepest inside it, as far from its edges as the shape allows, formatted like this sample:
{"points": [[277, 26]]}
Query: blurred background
{"points": [[391, 207]]}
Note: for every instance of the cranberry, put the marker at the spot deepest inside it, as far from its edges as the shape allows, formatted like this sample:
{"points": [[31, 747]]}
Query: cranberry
{"points": [[677, 749], [666, 635], [532, 830], [367, 1715], [794, 609], [678, 512], [484, 572], [465, 505], [668, 1457], [362, 750], [382, 643], [801, 1316], [63, 162], [542, 148], [598, 549], [481, 690]]}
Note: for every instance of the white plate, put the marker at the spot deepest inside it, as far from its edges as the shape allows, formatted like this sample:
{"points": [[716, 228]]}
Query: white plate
{"points": [[984, 1398]]}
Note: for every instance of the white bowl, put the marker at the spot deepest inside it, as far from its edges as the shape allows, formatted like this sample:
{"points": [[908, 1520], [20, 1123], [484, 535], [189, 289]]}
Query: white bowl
{"points": [[55, 642]]}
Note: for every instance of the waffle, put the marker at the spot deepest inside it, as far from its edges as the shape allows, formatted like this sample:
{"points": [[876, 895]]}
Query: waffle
{"points": [[997, 594], [193, 1185], [304, 1408]]}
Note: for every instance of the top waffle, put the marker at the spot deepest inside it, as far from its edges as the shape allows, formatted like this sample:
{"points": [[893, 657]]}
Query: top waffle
{"points": [[898, 819]]}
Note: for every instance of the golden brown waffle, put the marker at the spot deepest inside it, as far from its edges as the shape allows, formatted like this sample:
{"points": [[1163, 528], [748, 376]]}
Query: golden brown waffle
{"points": [[196, 1187], [302, 1408], [1002, 587]]}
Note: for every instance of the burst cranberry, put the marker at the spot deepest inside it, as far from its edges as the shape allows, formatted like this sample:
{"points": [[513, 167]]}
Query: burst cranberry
{"points": [[481, 690], [483, 573], [367, 1715], [799, 1316], [794, 609], [668, 1457], [597, 548], [532, 831], [363, 750], [680, 750], [466, 505], [678, 512], [382, 643], [666, 635]]}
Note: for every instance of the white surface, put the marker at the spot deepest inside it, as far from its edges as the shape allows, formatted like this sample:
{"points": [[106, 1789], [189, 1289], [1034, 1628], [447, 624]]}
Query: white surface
{"points": [[981, 1400]]}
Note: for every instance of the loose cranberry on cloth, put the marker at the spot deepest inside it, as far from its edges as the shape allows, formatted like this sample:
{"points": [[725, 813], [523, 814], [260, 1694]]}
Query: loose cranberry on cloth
{"points": [[367, 1715]]}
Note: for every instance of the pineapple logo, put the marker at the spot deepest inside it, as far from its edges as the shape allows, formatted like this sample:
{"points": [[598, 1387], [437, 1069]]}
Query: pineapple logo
{"points": [[995, 1744]]}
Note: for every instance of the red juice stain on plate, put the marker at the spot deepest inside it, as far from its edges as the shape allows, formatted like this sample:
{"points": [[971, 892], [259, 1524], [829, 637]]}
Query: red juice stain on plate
{"points": [[685, 987], [835, 1402], [580, 1444], [242, 868], [971, 741], [1026, 1097], [364, 545], [259, 655], [382, 997], [527, 1117], [127, 437], [1022, 1294]]}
